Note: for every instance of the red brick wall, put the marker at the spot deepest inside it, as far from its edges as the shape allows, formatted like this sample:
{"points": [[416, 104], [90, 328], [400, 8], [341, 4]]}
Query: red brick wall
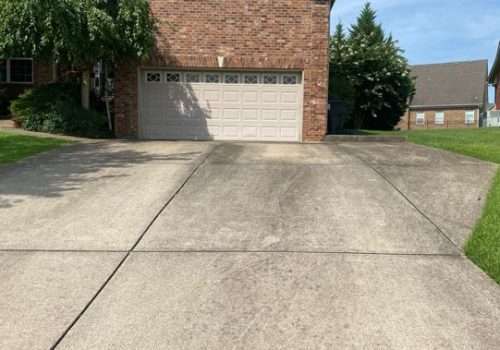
{"points": [[453, 118], [497, 93], [258, 34]]}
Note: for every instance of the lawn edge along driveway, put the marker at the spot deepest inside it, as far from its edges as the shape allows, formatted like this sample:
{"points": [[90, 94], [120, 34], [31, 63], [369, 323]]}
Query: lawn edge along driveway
{"points": [[483, 246], [14, 147]]}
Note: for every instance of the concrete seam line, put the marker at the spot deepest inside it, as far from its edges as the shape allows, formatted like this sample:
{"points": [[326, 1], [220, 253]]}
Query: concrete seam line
{"points": [[120, 264], [406, 198], [304, 252], [237, 251], [25, 250]]}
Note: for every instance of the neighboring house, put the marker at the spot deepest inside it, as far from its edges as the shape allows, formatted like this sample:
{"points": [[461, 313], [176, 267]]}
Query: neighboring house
{"points": [[493, 119], [494, 78], [230, 70], [448, 95], [18, 74]]}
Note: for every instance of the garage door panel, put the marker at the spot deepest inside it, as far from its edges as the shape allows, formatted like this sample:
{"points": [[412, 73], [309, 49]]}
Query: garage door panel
{"points": [[250, 97], [271, 114], [270, 132], [230, 131], [250, 115], [212, 95], [250, 132], [246, 108], [291, 97], [231, 96], [288, 132], [231, 114], [289, 115], [270, 97]]}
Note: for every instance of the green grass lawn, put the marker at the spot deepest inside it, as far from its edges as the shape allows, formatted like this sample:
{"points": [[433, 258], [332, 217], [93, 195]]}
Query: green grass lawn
{"points": [[483, 248], [14, 147]]}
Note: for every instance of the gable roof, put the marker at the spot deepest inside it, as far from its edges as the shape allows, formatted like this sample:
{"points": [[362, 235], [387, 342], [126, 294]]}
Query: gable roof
{"points": [[495, 68], [450, 84]]}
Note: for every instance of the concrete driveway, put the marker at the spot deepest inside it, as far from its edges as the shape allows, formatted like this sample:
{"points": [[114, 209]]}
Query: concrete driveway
{"points": [[178, 245]]}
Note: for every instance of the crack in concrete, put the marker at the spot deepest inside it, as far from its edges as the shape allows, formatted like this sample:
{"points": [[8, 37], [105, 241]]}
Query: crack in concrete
{"points": [[196, 166]]}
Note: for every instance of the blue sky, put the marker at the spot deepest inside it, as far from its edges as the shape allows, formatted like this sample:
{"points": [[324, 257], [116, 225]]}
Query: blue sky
{"points": [[432, 31]]}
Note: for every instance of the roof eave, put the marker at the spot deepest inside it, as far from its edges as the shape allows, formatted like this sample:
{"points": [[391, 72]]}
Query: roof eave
{"points": [[451, 106], [494, 69]]}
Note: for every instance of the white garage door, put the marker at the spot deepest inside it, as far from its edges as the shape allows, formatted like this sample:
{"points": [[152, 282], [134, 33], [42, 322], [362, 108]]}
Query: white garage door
{"points": [[264, 106]]}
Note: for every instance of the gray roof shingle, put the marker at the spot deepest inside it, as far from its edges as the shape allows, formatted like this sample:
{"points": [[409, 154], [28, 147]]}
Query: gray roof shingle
{"points": [[450, 84]]}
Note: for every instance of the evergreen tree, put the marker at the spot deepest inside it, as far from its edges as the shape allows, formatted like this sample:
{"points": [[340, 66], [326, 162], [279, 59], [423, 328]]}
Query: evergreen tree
{"points": [[377, 73]]}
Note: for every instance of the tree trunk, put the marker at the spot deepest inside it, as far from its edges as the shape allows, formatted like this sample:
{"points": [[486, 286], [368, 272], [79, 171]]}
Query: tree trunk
{"points": [[86, 89]]}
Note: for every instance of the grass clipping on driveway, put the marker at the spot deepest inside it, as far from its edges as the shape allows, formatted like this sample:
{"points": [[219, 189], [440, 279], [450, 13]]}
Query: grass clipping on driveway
{"points": [[14, 147]]}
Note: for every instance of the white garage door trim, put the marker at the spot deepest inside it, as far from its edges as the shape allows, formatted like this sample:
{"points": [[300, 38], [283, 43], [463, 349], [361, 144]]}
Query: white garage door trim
{"points": [[197, 105]]}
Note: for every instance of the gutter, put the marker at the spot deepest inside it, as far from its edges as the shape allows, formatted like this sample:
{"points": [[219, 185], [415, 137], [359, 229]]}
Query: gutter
{"points": [[479, 105]]}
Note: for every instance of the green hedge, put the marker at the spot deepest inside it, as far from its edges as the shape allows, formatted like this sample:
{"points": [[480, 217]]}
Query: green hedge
{"points": [[55, 108]]}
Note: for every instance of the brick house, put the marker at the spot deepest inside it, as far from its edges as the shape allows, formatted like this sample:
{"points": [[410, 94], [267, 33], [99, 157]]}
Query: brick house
{"points": [[448, 95], [19, 74], [230, 69], [494, 78]]}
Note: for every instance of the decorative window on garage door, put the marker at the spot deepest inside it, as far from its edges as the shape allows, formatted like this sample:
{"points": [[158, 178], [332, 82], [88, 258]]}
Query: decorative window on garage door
{"points": [[231, 78], [173, 77], [251, 78], [212, 78], [290, 79], [193, 77], [270, 79], [153, 77]]}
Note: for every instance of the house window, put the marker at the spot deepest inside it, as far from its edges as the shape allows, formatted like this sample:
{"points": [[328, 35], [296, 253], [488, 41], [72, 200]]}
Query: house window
{"points": [[420, 119], [193, 77], [231, 79], [173, 77], [439, 118], [212, 78], [153, 77], [3, 71], [21, 70], [251, 79], [16, 70], [469, 117]]}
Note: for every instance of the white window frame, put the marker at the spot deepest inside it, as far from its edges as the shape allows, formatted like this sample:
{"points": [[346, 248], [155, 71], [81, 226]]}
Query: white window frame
{"points": [[8, 79], [420, 114], [441, 121], [467, 120]]}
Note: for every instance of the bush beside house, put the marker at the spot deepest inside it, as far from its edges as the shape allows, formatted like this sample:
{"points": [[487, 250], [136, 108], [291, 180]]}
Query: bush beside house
{"points": [[55, 108]]}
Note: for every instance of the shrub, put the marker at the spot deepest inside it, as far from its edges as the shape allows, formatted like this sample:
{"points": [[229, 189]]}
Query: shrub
{"points": [[55, 108]]}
